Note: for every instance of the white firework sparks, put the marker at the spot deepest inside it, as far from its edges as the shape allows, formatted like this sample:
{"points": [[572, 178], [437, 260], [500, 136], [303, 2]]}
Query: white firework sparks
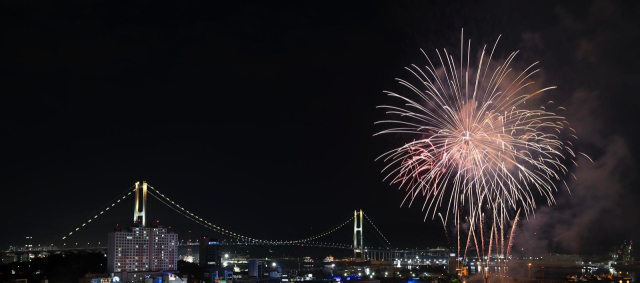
{"points": [[474, 142], [473, 138]]}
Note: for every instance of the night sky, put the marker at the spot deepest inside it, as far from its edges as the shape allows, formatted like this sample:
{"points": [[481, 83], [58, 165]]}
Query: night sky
{"points": [[260, 117]]}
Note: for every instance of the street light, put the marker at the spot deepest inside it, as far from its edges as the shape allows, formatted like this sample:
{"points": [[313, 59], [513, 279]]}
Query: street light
{"points": [[529, 270]]}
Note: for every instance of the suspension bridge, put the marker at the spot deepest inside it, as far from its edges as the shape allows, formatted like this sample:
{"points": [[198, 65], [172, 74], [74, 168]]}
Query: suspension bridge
{"points": [[142, 191]]}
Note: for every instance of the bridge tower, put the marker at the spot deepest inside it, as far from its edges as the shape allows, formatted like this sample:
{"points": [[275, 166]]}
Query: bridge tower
{"points": [[358, 247], [139, 216]]}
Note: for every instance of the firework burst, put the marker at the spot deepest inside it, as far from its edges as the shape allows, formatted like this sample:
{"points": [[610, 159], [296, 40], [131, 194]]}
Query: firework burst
{"points": [[476, 143]]}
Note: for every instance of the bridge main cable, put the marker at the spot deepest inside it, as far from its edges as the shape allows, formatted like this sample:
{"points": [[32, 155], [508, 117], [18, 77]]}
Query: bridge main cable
{"points": [[376, 228], [98, 212], [183, 211]]}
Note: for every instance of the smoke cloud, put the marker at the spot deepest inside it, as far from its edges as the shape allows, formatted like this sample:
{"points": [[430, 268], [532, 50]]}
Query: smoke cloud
{"points": [[599, 212]]}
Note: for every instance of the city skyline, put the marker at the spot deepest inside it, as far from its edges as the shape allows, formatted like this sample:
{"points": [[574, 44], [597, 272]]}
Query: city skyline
{"points": [[258, 117]]}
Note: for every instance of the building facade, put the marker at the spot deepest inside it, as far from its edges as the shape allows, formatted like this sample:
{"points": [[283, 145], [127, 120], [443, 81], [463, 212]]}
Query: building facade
{"points": [[142, 248], [209, 258], [253, 268]]}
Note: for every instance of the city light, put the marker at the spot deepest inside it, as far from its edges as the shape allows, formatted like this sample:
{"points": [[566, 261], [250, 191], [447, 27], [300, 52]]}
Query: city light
{"points": [[398, 256], [252, 141]]}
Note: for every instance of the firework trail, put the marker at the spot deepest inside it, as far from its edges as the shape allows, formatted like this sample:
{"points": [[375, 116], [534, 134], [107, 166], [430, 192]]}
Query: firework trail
{"points": [[477, 144], [445, 229], [513, 229]]}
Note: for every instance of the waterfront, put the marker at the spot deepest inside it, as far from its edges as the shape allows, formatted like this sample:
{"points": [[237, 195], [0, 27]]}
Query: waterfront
{"points": [[567, 273]]}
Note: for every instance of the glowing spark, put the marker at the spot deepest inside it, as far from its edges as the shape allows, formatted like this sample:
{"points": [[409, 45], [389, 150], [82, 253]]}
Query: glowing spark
{"points": [[474, 137], [479, 142]]}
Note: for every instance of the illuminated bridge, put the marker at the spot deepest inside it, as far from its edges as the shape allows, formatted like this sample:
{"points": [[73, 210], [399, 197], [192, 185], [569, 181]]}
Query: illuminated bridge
{"points": [[142, 191]]}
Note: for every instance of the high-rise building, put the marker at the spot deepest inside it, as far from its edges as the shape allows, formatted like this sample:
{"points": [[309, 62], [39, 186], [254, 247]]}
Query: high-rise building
{"points": [[142, 248], [453, 264], [209, 258], [253, 268]]}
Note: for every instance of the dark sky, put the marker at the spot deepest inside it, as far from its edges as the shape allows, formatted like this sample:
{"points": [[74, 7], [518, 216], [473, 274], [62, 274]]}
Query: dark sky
{"points": [[259, 117]]}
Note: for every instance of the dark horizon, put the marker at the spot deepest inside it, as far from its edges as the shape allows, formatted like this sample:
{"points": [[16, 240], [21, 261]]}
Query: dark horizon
{"points": [[260, 117]]}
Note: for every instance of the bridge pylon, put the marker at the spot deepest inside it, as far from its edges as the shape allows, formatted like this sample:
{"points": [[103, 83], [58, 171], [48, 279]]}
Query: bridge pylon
{"points": [[140, 215], [358, 246]]}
